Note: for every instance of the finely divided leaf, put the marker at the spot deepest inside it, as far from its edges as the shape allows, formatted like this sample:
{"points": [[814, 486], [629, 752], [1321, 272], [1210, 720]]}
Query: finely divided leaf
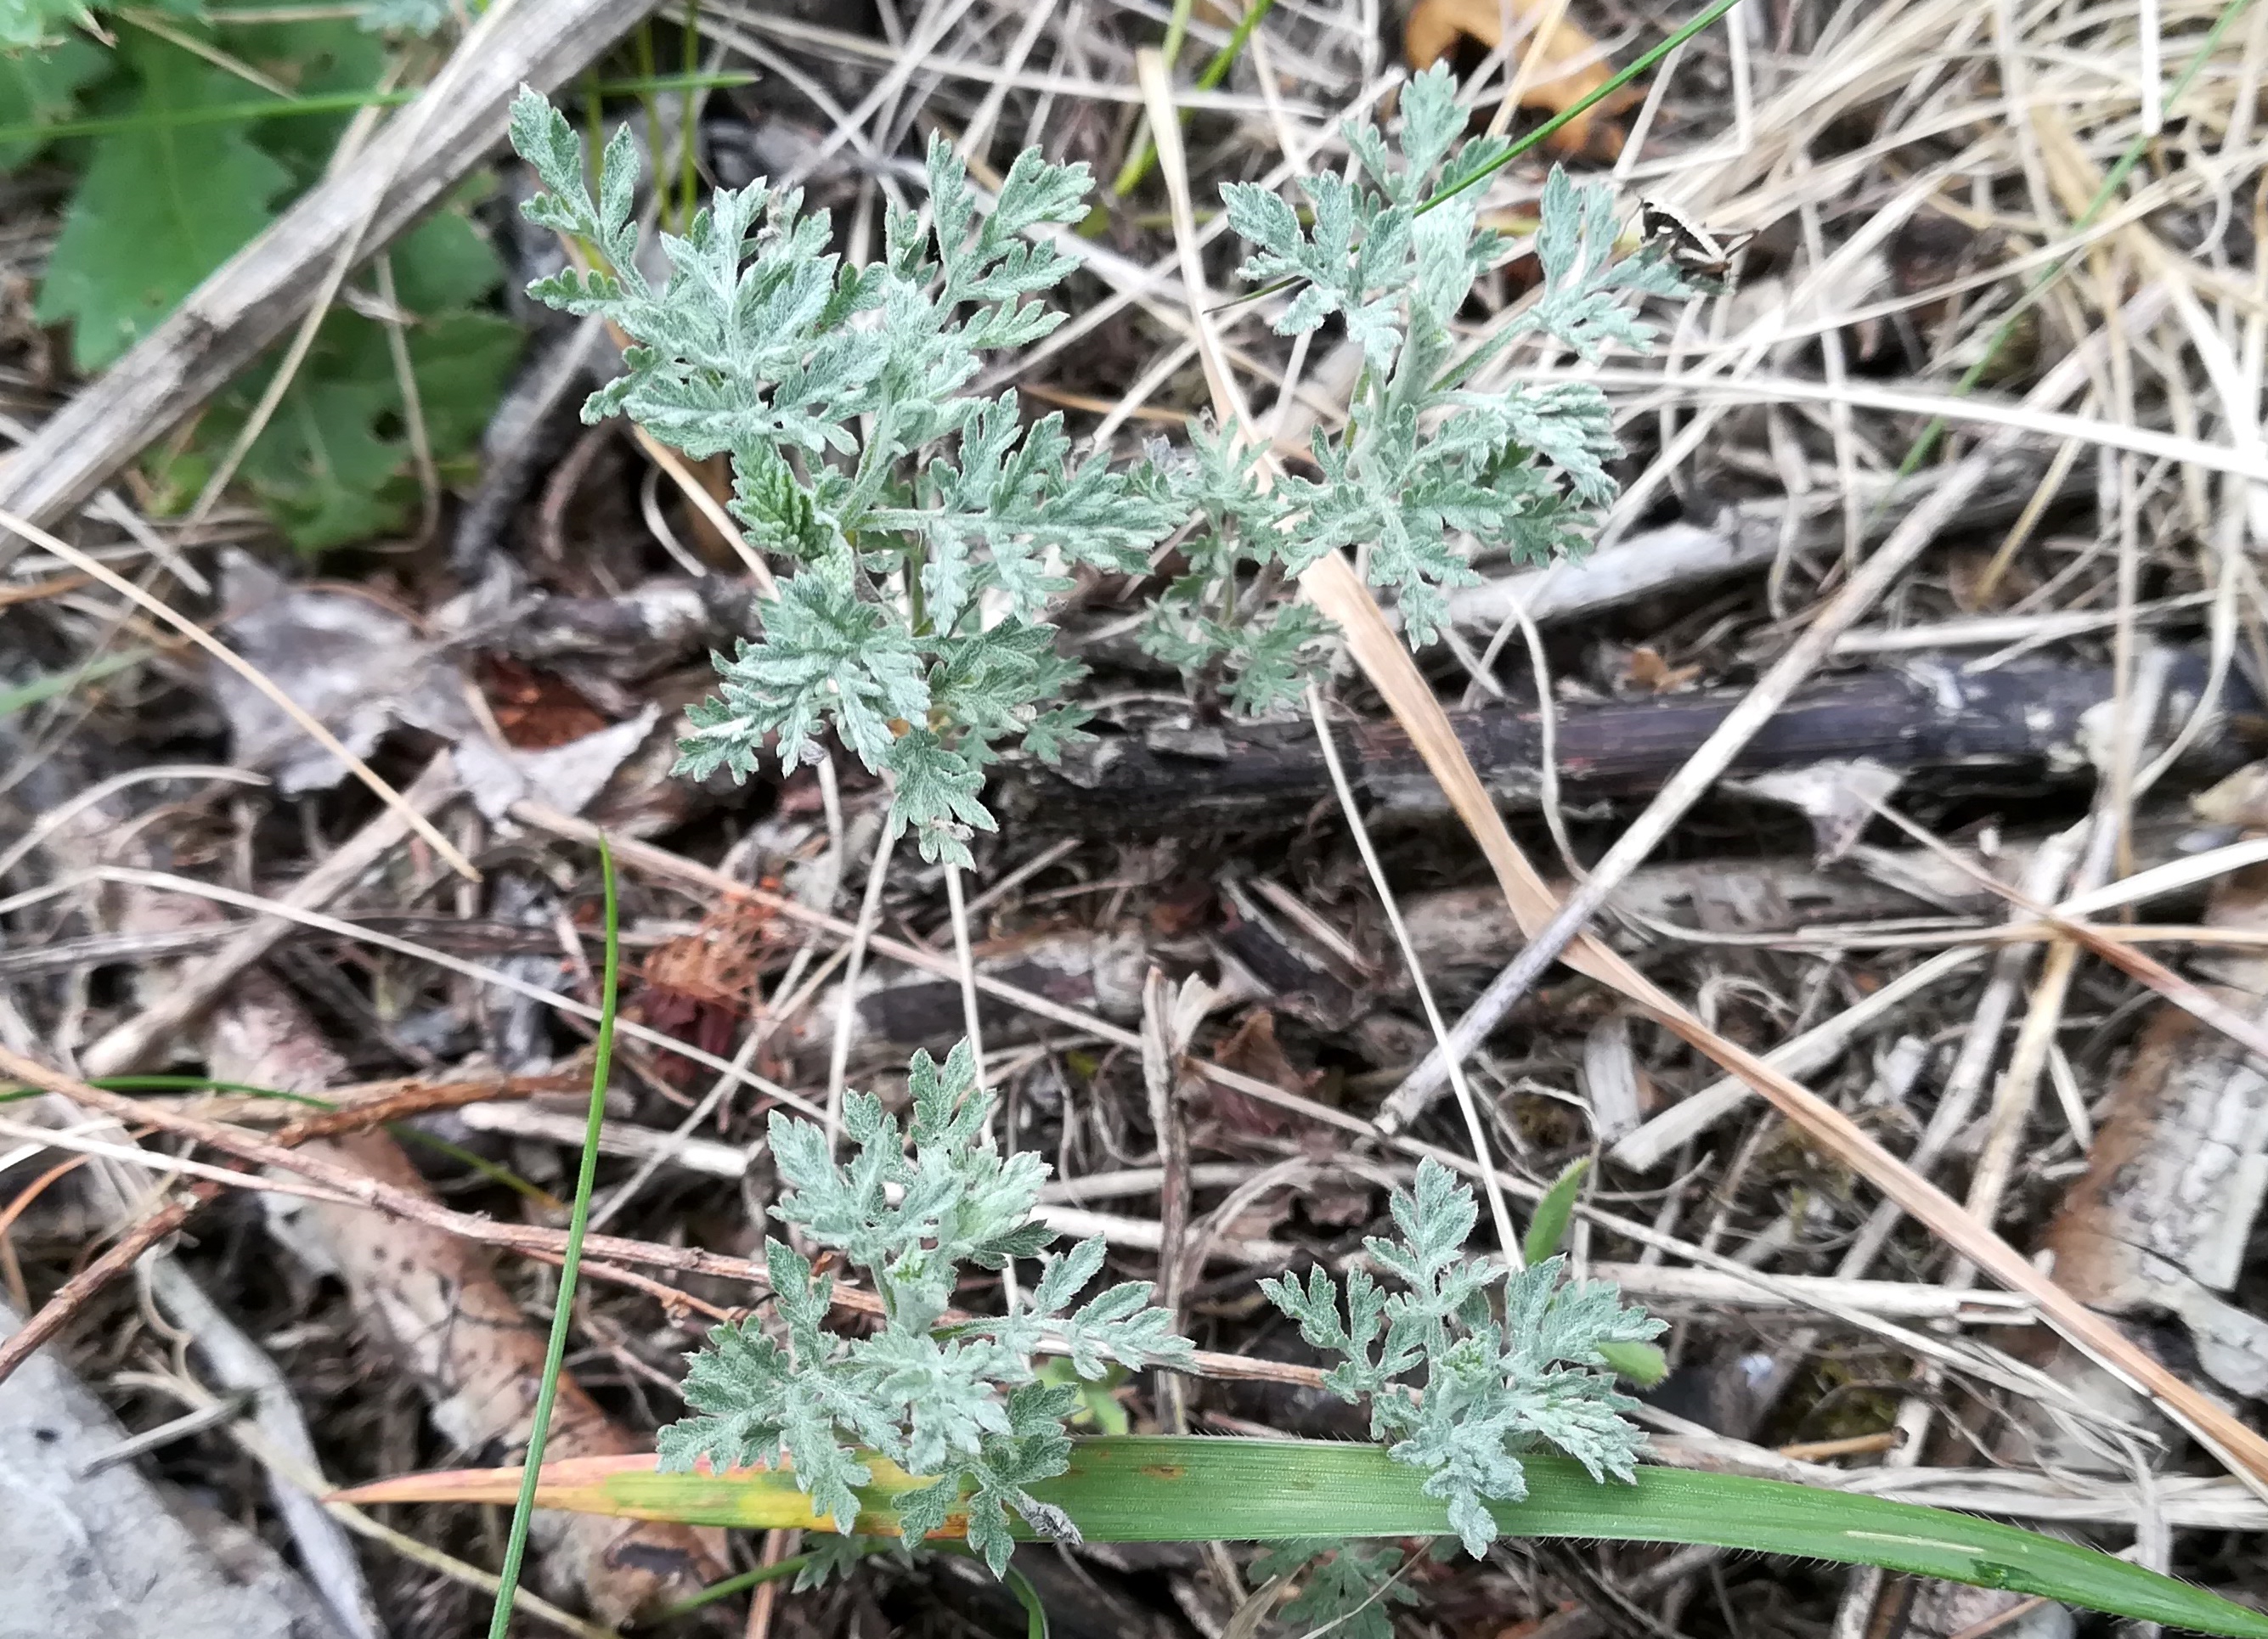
{"points": [[1488, 1388], [961, 1403]]}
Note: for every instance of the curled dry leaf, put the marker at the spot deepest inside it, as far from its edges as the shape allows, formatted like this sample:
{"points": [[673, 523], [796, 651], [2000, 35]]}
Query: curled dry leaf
{"points": [[1572, 65], [698, 987]]}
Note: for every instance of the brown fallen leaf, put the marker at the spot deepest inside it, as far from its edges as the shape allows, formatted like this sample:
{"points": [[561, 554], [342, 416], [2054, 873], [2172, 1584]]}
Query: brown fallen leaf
{"points": [[1646, 672], [1572, 65], [1253, 1050], [459, 1335]]}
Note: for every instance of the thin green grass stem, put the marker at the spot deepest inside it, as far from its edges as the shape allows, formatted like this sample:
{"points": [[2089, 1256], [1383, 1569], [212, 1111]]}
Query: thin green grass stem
{"points": [[333, 102], [1145, 157], [570, 1266]]}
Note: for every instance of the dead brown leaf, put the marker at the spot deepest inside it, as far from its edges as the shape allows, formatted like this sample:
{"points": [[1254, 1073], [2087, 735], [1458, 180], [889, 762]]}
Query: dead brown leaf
{"points": [[1646, 673], [1572, 65], [1254, 1051]]}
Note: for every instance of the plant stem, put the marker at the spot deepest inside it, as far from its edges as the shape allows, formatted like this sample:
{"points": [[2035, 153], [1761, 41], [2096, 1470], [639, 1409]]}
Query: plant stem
{"points": [[329, 102], [1138, 163], [688, 171], [642, 48], [1520, 145], [730, 1586], [570, 1266]]}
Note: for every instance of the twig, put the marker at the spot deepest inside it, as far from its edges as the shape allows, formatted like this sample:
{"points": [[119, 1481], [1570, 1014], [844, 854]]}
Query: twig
{"points": [[1161, 1054], [124, 1046], [81, 1288]]}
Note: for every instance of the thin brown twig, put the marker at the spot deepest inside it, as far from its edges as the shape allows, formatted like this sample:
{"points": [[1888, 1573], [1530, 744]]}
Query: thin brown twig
{"points": [[418, 1098], [81, 1290]]}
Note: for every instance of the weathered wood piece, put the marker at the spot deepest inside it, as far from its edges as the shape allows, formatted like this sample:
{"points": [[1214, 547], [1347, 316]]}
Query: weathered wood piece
{"points": [[2019, 722]]}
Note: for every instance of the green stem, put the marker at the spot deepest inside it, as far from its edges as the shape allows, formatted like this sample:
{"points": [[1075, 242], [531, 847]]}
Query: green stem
{"points": [[1622, 77], [594, 125], [1177, 29], [331, 102], [570, 1266], [642, 50], [731, 1585], [1138, 163], [688, 179]]}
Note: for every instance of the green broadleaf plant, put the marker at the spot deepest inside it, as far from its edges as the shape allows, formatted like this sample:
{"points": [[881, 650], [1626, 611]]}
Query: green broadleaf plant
{"points": [[156, 209], [165, 196]]}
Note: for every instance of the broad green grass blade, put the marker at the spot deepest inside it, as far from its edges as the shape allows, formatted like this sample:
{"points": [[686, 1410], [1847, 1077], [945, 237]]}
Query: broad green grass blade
{"points": [[1547, 1226], [1143, 1488]]}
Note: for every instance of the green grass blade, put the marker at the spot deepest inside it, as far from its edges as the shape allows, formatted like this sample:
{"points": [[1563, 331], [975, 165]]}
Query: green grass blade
{"points": [[570, 1266], [1145, 157], [727, 1588], [1149, 1488], [22, 696], [1521, 144], [1547, 1226]]}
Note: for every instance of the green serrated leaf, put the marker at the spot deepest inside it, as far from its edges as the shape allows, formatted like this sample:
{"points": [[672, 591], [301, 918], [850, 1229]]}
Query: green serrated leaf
{"points": [[334, 464], [312, 58], [1643, 1363], [445, 262], [41, 88], [159, 208]]}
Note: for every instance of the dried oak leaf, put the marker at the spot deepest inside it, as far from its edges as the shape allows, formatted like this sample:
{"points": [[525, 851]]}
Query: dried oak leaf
{"points": [[1572, 67]]}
